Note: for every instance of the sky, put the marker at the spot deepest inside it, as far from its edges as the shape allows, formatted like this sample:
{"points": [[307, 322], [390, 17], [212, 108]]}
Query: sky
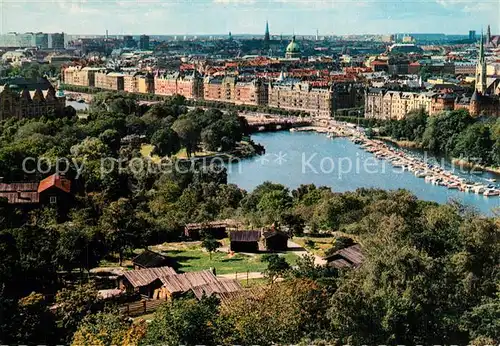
{"points": [[189, 17]]}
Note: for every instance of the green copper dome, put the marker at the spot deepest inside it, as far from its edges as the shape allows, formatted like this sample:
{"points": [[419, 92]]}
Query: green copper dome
{"points": [[293, 47]]}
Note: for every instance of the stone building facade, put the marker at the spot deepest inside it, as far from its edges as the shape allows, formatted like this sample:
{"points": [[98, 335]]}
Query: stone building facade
{"points": [[16, 103]]}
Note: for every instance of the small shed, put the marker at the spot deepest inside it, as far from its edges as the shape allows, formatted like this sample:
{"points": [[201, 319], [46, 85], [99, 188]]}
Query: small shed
{"points": [[144, 281], [149, 259], [349, 257], [244, 241], [275, 240]]}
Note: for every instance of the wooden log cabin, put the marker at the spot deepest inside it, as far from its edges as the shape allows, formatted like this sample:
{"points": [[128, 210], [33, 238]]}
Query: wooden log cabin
{"points": [[349, 257], [275, 240], [245, 241], [217, 229], [149, 259]]}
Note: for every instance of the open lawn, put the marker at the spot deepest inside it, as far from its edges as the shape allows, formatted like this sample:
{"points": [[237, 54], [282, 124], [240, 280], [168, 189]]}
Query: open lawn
{"points": [[146, 150], [316, 245], [188, 257], [182, 154]]}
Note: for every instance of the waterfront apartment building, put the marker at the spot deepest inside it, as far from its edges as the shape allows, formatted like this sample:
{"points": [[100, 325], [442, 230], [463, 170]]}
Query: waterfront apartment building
{"points": [[190, 86], [254, 93], [394, 105], [301, 96], [110, 81], [146, 83], [76, 75], [219, 89]]}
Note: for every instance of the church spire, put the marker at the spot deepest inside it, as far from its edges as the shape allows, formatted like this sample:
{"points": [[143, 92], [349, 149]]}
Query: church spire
{"points": [[481, 84], [488, 35], [267, 36]]}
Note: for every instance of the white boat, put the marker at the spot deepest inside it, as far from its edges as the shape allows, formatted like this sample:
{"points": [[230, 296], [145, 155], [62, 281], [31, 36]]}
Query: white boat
{"points": [[420, 174], [491, 192], [491, 180], [478, 189], [453, 186]]}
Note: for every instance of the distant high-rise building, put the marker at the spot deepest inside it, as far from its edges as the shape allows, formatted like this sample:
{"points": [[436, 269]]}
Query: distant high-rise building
{"points": [[57, 40], [144, 42], [129, 42], [472, 35], [42, 40]]}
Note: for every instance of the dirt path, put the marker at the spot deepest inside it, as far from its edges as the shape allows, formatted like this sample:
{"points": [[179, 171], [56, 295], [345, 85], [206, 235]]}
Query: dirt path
{"points": [[300, 251]]}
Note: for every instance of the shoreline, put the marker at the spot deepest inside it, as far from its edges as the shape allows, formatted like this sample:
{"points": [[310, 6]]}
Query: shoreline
{"points": [[459, 162], [471, 165]]}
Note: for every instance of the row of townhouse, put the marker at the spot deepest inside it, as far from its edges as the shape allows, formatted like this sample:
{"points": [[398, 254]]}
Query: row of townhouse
{"points": [[318, 100]]}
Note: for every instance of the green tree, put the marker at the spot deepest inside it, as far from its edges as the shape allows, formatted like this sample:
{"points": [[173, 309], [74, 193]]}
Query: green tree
{"points": [[36, 324], [166, 142], [210, 244], [120, 225], [108, 328], [74, 304], [188, 133], [277, 266], [184, 322]]}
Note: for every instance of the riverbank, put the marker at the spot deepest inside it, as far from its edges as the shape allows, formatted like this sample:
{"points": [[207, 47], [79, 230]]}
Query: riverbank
{"points": [[458, 162], [473, 166], [402, 144]]}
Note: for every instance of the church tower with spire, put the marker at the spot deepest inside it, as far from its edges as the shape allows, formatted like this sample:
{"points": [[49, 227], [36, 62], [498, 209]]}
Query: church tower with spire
{"points": [[267, 37], [481, 69]]}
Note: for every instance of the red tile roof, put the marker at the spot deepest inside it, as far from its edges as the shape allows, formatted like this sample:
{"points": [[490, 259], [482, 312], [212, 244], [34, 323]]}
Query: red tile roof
{"points": [[55, 181]]}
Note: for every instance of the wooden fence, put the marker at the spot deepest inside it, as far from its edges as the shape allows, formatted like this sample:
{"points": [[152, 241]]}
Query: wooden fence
{"points": [[141, 308]]}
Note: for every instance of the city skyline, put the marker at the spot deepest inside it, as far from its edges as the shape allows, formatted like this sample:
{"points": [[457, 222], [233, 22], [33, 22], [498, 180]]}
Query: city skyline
{"points": [[216, 17]]}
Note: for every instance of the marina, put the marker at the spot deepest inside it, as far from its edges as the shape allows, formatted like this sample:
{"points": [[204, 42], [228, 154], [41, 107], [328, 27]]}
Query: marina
{"points": [[431, 172], [288, 155]]}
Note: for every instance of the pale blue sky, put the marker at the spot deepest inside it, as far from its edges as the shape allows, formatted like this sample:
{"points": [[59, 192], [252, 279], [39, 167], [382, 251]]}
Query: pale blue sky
{"points": [[248, 16]]}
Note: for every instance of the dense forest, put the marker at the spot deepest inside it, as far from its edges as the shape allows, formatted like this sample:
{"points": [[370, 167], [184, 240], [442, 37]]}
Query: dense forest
{"points": [[454, 134], [430, 275]]}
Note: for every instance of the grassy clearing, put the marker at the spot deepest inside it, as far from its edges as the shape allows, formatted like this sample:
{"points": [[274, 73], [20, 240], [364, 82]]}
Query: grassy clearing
{"points": [[147, 150], [316, 245], [182, 154], [188, 257]]}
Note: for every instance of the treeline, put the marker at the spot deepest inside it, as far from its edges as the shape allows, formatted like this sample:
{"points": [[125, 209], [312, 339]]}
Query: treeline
{"points": [[454, 134], [194, 103]]}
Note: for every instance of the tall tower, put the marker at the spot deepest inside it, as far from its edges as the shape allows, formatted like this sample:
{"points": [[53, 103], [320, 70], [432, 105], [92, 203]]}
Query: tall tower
{"points": [[488, 34], [267, 37], [481, 69]]}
